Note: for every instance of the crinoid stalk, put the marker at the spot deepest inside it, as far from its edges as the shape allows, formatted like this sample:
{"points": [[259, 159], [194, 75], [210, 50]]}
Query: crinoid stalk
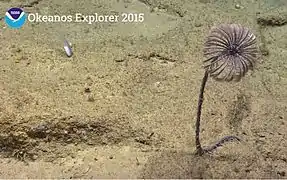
{"points": [[230, 51]]}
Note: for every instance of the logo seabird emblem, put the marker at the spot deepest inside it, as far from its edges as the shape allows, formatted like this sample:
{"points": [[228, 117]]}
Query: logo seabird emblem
{"points": [[15, 18]]}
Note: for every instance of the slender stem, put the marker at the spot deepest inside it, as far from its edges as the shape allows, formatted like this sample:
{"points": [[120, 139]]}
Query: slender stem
{"points": [[199, 149]]}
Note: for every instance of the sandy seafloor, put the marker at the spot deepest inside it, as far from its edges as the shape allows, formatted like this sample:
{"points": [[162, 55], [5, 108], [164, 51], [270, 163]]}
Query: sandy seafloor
{"points": [[124, 105]]}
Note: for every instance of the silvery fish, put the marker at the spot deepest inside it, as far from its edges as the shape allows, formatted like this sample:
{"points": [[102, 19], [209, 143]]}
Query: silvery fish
{"points": [[68, 48]]}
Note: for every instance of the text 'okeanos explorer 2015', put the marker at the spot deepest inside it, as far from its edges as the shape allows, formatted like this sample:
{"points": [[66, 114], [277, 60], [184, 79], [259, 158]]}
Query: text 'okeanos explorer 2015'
{"points": [[89, 19]]}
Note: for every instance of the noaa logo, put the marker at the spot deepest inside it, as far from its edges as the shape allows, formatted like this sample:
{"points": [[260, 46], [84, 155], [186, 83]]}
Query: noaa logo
{"points": [[15, 18]]}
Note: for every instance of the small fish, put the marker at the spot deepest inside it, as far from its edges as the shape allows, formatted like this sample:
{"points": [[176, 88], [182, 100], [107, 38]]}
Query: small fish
{"points": [[68, 48]]}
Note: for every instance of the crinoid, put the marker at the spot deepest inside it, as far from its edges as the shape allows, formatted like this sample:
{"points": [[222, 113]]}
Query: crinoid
{"points": [[230, 51]]}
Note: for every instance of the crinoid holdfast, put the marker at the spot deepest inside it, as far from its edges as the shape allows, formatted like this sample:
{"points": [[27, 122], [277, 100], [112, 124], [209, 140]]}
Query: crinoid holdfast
{"points": [[230, 51]]}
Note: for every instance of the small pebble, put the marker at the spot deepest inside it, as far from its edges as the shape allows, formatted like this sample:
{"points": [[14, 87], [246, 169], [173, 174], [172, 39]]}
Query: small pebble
{"points": [[157, 84], [197, 24], [34, 157], [119, 59], [68, 48], [87, 90], [91, 98], [237, 6]]}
